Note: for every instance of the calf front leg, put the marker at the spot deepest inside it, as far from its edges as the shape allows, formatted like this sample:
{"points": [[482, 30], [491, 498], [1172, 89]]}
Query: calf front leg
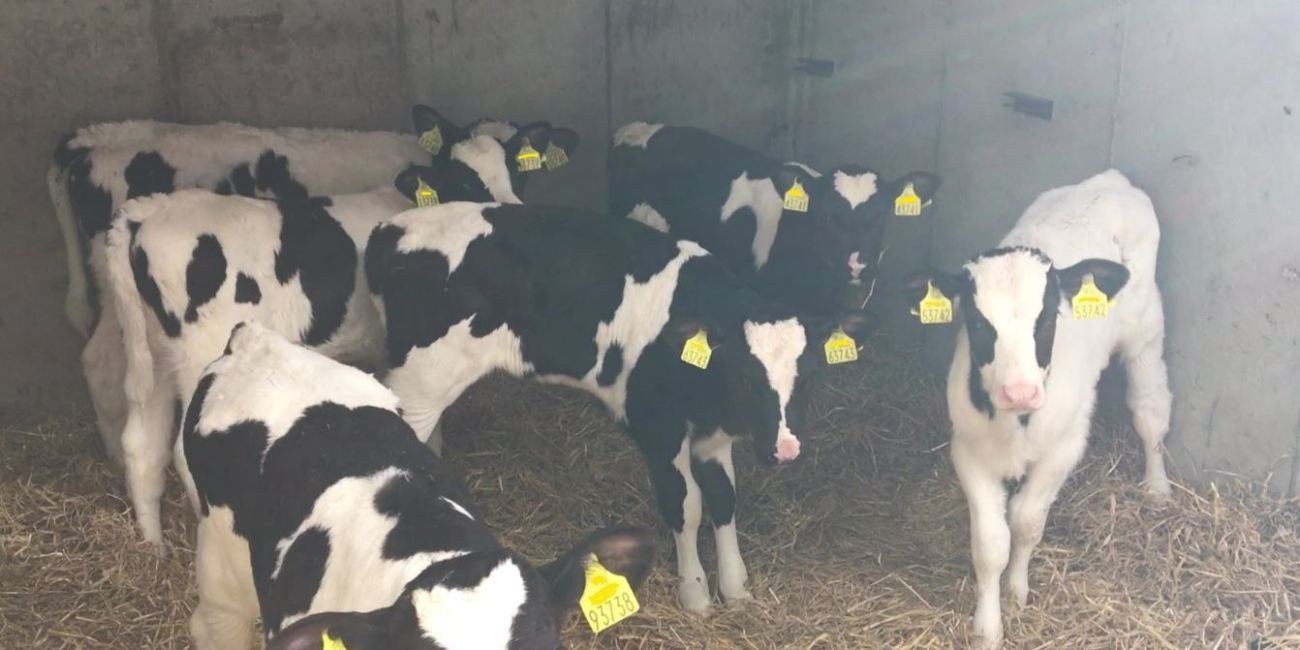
{"points": [[680, 504], [146, 441], [1030, 505], [990, 544], [716, 474]]}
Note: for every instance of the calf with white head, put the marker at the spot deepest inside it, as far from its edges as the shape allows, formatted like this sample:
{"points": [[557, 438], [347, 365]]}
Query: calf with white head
{"points": [[325, 517], [1072, 284]]}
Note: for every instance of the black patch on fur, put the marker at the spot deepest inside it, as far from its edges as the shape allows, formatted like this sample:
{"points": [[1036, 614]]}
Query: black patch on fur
{"points": [[316, 249], [149, 173], [424, 521], [65, 153], [204, 275], [1045, 324], [719, 494], [92, 205], [241, 180], [305, 562], [272, 176], [246, 290], [611, 366], [223, 188], [150, 293]]}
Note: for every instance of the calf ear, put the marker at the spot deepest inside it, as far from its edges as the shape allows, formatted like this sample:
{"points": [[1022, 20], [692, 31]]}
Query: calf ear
{"points": [[407, 181], [1109, 276], [918, 284], [566, 139], [425, 118], [334, 631], [858, 323], [924, 184], [785, 177], [627, 551]]}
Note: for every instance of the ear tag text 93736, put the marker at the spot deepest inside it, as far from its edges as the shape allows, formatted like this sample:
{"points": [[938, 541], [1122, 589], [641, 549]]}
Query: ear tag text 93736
{"points": [[907, 204], [607, 598], [528, 158], [840, 348], [425, 196], [796, 199], [1090, 302], [431, 140], [555, 156], [696, 352], [935, 308]]}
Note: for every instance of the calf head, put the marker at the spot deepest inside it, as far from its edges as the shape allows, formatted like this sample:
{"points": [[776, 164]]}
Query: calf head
{"points": [[485, 600], [1010, 299]]}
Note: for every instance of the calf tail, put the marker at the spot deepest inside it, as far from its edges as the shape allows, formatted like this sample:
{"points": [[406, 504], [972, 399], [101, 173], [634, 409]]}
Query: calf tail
{"points": [[130, 306], [77, 304]]}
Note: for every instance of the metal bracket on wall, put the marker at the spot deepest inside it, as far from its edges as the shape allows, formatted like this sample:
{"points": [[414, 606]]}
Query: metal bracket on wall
{"points": [[823, 68], [1030, 105]]}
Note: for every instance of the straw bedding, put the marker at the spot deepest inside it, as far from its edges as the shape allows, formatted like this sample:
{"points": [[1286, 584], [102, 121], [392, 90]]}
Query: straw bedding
{"points": [[861, 544]]}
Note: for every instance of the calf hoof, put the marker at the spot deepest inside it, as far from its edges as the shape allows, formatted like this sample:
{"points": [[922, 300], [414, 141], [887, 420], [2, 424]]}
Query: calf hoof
{"points": [[1158, 491], [737, 597], [694, 597], [987, 633]]}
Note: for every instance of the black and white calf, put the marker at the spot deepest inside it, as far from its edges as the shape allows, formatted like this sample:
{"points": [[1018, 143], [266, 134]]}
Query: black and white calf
{"points": [[323, 515], [731, 200], [99, 167], [186, 267], [1023, 381], [605, 305]]}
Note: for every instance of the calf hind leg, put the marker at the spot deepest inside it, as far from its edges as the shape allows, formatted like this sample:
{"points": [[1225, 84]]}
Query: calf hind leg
{"points": [[103, 363], [716, 474], [1150, 401], [146, 441], [227, 605]]}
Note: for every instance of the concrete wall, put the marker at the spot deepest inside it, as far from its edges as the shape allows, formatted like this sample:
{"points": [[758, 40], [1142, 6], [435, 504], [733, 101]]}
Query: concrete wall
{"points": [[1195, 101], [587, 64]]}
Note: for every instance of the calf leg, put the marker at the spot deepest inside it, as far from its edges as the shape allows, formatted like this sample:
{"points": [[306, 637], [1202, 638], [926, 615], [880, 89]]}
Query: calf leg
{"points": [[227, 609], [990, 543], [679, 502], [1150, 401], [103, 364], [716, 474], [146, 440], [1030, 505]]}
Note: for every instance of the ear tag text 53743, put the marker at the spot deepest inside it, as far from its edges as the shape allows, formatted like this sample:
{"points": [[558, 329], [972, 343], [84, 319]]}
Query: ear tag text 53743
{"points": [[796, 199], [607, 598], [528, 159], [908, 204], [1090, 302], [425, 196], [840, 348], [696, 352], [935, 308], [555, 156], [328, 642], [431, 140]]}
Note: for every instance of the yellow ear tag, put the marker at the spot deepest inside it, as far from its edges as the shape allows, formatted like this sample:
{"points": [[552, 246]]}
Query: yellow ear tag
{"points": [[328, 642], [935, 308], [425, 196], [607, 598], [908, 204], [431, 140], [840, 348], [1090, 303], [555, 156], [697, 352], [796, 199], [528, 159]]}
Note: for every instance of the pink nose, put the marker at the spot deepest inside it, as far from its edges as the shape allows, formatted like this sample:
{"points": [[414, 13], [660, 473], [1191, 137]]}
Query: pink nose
{"points": [[1021, 395]]}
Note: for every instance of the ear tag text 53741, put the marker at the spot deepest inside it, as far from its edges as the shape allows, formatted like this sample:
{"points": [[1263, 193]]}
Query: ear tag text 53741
{"points": [[935, 308], [607, 598], [328, 642], [796, 199], [696, 352], [431, 140], [555, 156], [528, 159], [425, 196], [1090, 302], [840, 348], [908, 204]]}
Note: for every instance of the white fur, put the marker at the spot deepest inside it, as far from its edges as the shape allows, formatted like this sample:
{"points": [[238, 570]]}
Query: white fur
{"points": [[487, 158], [778, 347], [448, 228], [693, 584], [732, 574], [457, 507], [1104, 217], [805, 168], [498, 130], [470, 619], [636, 134], [855, 189], [760, 196], [649, 216]]}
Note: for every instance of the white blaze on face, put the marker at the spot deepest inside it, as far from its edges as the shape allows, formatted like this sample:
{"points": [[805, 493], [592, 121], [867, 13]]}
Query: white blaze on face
{"points": [[487, 158], [778, 346], [855, 189], [636, 134], [477, 618], [1009, 294]]}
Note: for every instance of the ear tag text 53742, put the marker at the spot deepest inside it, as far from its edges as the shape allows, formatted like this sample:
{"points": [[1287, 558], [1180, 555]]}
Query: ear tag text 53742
{"points": [[908, 204], [796, 199], [431, 140], [840, 348], [528, 159], [607, 598], [696, 352], [555, 156], [328, 642], [935, 308], [1090, 302], [425, 196]]}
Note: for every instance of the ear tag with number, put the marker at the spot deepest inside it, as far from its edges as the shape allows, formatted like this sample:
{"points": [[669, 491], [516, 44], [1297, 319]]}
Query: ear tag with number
{"points": [[908, 204], [528, 159], [935, 308], [796, 199], [1090, 303], [425, 196], [328, 642], [431, 140], [697, 352], [840, 348], [555, 156], [607, 598]]}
